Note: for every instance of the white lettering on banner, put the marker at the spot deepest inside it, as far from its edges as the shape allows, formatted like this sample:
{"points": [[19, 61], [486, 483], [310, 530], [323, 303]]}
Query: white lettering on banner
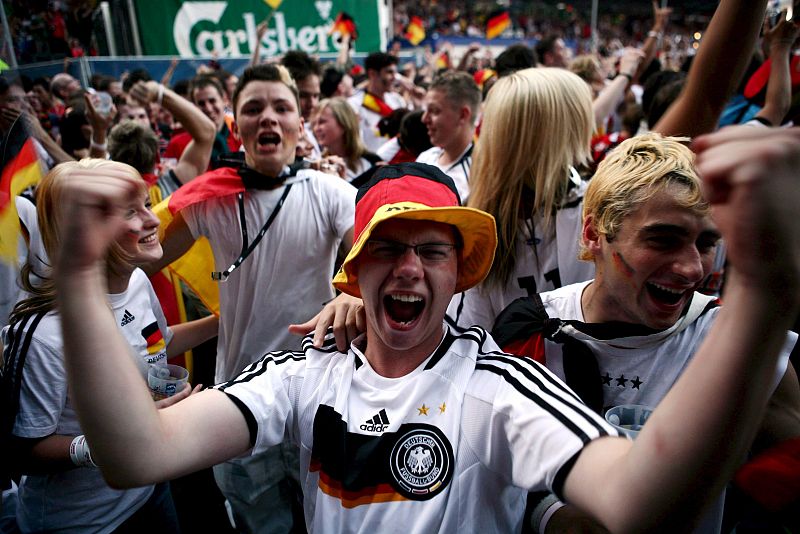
{"points": [[190, 14], [323, 8], [226, 42]]}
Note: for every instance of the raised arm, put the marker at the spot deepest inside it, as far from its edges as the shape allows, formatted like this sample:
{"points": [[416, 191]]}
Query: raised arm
{"points": [[613, 93], [721, 60], [101, 123], [466, 58], [194, 160], [699, 433], [778, 99], [48, 143], [261, 29], [137, 444], [654, 37], [166, 79]]}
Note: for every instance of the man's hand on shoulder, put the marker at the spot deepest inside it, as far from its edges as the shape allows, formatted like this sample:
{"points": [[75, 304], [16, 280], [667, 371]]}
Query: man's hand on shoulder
{"points": [[344, 313]]}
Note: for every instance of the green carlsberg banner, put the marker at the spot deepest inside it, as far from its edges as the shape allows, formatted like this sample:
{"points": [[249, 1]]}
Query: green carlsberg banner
{"points": [[228, 29]]}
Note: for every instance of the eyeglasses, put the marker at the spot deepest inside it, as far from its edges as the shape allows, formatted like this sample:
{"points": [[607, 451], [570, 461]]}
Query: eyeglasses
{"points": [[428, 252]]}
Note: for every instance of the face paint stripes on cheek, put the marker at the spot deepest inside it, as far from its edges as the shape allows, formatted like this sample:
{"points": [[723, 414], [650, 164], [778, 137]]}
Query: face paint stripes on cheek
{"points": [[622, 265]]}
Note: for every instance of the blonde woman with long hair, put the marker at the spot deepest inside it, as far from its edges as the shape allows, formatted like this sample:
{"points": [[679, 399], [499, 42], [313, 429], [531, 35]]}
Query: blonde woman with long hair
{"points": [[537, 125], [62, 489], [338, 132]]}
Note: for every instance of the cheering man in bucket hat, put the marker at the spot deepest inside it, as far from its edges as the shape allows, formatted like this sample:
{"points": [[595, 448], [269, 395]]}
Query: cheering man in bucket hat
{"points": [[423, 428]]}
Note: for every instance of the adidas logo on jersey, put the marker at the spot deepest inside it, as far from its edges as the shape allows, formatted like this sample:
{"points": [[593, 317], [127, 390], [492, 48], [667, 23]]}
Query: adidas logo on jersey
{"points": [[378, 423], [127, 317]]}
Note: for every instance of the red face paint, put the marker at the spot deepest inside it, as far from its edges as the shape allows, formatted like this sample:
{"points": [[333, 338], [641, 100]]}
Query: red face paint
{"points": [[621, 265]]}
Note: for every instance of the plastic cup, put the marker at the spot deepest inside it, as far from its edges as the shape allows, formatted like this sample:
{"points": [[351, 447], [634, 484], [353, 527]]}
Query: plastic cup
{"points": [[166, 380], [628, 418], [103, 102]]}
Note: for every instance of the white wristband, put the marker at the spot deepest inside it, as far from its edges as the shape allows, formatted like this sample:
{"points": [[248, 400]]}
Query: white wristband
{"points": [[98, 146], [555, 507], [543, 511], [79, 452], [160, 97]]}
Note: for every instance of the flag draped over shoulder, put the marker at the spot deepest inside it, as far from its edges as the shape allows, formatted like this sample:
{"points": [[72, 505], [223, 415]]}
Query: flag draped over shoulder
{"points": [[195, 267], [344, 25], [373, 103], [415, 31], [497, 22], [22, 171]]}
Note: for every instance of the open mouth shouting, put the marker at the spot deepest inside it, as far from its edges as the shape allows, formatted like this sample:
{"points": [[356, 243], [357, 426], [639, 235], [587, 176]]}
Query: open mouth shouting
{"points": [[668, 298], [403, 309], [268, 142]]}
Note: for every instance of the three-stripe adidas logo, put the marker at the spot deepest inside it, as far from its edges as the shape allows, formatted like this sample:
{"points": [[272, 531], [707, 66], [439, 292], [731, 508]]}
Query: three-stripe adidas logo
{"points": [[127, 317], [377, 423]]}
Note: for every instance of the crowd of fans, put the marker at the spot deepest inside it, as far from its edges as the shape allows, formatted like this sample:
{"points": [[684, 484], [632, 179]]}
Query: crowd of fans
{"points": [[523, 136], [45, 30]]}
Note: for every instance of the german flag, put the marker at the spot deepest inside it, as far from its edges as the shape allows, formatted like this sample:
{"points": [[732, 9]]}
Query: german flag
{"points": [[154, 338], [22, 171], [482, 76], [344, 25], [195, 267], [443, 61], [373, 103], [415, 31], [497, 22]]}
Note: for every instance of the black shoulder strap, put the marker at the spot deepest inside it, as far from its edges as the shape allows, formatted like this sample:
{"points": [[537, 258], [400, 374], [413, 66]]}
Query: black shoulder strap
{"points": [[11, 384]]}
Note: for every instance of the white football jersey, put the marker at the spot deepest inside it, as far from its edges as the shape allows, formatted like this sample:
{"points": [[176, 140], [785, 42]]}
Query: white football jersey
{"points": [[453, 446]]}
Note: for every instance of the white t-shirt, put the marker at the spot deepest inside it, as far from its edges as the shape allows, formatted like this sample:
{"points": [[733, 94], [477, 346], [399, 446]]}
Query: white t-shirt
{"points": [[641, 369], [368, 120], [458, 171], [78, 500], [287, 278], [451, 447], [545, 261]]}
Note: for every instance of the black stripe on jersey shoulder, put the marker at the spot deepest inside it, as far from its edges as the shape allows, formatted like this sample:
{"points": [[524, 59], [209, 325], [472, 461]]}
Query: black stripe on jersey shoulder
{"points": [[536, 399], [452, 322], [260, 367], [444, 346], [473, 333], [530, 369], [501, 365], [328, 342]]}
